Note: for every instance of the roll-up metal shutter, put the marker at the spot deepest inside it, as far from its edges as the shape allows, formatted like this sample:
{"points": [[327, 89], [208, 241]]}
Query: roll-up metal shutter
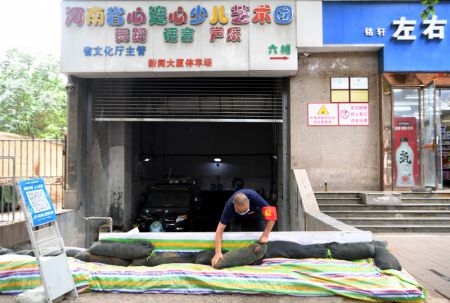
{"points": [[189, 99]]}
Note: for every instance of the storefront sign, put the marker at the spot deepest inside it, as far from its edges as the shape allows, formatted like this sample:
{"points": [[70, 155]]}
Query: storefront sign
{"points": [[405, 152], [410, 43], [156, 37], [351, 114]]}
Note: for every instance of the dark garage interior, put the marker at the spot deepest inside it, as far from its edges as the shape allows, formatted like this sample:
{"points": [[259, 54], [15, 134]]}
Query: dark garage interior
{"points": [[208, 161]]}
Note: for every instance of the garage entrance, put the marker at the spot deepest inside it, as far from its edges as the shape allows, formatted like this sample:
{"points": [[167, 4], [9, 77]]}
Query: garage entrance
{"points": [[195, 141]]}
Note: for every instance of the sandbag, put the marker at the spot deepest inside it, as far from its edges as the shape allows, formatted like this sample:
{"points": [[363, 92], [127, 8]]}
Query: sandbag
{"points": [[204, 257], [384, 259], [73, 251], [132, 250], [139, 262], [4, 251], [352, 251], [159, 258], [25, 252], [88, 257], [243, 256], [380, 243], [292, 250]]}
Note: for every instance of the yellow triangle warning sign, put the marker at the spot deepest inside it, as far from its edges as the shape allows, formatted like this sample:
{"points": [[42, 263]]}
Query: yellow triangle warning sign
{"points": [[323, 110]]}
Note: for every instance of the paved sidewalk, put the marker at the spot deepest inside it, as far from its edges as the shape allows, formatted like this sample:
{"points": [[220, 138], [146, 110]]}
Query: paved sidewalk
{"points": [[426, 257]]}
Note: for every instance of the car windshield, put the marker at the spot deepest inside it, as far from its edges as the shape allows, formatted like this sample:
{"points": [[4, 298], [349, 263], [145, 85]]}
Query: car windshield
{"points": [[168, 198]]}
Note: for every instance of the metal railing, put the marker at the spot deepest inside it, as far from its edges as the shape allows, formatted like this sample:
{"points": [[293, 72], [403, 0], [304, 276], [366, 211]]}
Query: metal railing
{"points": [[22, 159]]}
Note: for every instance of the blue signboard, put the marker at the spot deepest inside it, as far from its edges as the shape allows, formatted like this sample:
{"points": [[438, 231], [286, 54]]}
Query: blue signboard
{"points": [[410, 43], [38, 201]]}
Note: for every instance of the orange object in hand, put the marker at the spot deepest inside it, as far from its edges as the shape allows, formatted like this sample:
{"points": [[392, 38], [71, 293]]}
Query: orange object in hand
{"points": [[269, 213]]}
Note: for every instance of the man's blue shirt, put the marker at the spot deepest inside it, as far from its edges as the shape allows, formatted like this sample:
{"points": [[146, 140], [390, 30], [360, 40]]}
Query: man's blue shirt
{"points": [[256, 203]]}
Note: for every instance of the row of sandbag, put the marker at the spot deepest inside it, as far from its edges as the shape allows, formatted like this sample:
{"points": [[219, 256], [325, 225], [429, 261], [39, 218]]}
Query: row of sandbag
{"points": [[342, 251], [139, 253], [255, 253]]}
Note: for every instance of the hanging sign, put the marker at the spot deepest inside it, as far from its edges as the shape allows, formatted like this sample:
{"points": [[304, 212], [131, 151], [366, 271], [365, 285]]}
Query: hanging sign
{"points": [[38, 201]]}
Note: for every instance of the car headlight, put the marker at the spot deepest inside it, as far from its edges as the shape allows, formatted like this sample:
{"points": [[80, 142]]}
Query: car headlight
{"points": [[181, 218]]}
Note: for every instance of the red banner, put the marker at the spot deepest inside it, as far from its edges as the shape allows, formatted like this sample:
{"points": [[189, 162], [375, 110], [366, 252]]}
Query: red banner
{"points": [[405, 152]]}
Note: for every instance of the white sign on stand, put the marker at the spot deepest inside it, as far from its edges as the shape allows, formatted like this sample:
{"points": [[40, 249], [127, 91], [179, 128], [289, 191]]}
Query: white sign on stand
{"points": [[48, 245]]}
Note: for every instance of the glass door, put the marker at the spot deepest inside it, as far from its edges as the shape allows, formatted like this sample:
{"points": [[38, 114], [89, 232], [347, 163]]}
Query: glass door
{"points": [[429, 138]]}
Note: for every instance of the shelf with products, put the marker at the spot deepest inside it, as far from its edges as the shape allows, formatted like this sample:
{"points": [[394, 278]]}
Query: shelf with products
{"points": [[445, 145]]}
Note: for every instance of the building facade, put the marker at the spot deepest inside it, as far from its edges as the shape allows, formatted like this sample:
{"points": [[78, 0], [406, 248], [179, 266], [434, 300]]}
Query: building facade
{"points": [[354, 92]]}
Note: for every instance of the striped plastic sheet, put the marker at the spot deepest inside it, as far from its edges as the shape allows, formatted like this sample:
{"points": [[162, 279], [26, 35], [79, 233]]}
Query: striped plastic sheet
{"points": [[19, 273], [306, 277]]}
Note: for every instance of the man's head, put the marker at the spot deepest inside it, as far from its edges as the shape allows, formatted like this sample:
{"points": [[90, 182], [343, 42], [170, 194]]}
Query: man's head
{"points": [[241, 204]]}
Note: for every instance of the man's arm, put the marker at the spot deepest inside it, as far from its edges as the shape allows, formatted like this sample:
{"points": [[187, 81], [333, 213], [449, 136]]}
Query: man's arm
{"points": [[218, 244], [265, 235]]}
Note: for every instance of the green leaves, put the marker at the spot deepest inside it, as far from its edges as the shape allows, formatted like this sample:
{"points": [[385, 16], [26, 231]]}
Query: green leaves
{"points": [[32, 96], [429, 8]]}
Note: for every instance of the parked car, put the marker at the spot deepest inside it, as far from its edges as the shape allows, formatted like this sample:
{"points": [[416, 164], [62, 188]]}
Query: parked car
{"points": [[169, 207]]}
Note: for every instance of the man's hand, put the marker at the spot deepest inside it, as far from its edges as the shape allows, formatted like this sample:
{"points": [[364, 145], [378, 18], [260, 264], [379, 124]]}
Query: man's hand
{"points": [[216, 259], [263, 239]]}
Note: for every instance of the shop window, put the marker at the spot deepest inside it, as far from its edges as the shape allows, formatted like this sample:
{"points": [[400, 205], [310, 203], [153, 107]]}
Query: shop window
{"points": [[405, 137]]}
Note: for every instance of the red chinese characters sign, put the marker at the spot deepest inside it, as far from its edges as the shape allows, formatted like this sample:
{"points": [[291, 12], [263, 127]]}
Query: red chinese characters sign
{"points": [[180, 63]]}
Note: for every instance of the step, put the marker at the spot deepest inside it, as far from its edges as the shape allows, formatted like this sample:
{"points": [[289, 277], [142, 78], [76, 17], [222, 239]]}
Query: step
{"points": [[339, 201], [425, 195], [326, 194], [404, 228], [412, 221], [425, 200], [388, 213], [404, 206]]}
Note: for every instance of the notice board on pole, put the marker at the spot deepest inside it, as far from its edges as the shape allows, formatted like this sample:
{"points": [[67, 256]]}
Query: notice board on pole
{"points": [[46, 240]]}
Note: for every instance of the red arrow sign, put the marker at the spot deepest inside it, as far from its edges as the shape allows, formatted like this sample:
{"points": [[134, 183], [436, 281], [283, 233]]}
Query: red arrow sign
{"points": [[279, 58]]}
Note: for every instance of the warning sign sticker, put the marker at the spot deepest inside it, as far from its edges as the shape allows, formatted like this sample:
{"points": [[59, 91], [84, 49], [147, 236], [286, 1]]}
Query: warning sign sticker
{"points": [[354, 114], [322, 114]]}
